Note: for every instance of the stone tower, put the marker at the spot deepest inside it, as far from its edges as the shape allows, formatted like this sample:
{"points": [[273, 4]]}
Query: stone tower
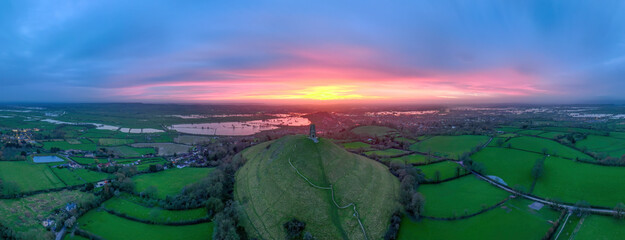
{"points": [[313, 133]]}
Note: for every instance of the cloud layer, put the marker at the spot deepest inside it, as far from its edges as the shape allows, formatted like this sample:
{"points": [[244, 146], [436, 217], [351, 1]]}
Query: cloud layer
{"points": [[282, 51]]}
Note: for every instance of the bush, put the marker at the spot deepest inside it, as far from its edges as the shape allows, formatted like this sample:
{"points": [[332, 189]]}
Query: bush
{"points": [[294, 229]]}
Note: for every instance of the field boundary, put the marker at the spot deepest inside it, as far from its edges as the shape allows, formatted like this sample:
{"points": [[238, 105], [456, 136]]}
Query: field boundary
{"points": [[470, 215], [180, 223]]}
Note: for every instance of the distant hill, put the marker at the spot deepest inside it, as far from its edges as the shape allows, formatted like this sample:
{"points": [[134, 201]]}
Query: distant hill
{"points": [[272, 192]]}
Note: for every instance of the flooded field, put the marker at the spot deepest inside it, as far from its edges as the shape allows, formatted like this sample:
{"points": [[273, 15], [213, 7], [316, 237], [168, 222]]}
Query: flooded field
{"points": [[239, 128], [47, 159], [109, 127]]}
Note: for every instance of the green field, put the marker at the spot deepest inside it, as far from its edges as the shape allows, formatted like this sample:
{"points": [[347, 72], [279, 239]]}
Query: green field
{"points": [[109, 226], [562, 179], [63, 145], [513, 220], [530, 132], [553, 148], [132, 209], [405, 140], [597, 227], [127, 151], [87, 161], [513, 166], [412, 159], [449, 146], [356, 146], [446, 169], [114, 141], [272, 192], [29, 176], [73, 177], [458, 197], [26, 213], [552, 135], [170, 182], [386, 152], [373, 131], [614, 147]]}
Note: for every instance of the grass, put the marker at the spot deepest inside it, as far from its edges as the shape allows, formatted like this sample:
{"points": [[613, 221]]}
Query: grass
{"points": [[29, 176], [449, 146], [552, 135], [411, 159], [126, 151], [386, 152], [170, 182], [272, 192], [356, 146], [513, 166], [64, 145], [404, 140], [447, 169], [513, 220], [146, 162], [114, 141], [601, 228], [24, 214], [165, 149], [467, 194], [373, 131], [73, 177], [612, 146], [574, 181], [87, 161], [562, 180], [530, 132], [108, 226], [553, 148], [132, 209]]}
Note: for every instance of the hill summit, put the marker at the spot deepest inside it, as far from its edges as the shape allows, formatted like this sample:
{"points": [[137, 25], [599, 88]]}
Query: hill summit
{"points": [[338, 194]]}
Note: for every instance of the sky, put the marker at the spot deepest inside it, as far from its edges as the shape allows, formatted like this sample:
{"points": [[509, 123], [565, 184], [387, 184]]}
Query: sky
{"points": [[312, 51]]}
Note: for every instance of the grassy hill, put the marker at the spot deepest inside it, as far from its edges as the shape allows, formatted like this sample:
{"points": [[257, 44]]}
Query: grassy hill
{"points": [[273, 193]]}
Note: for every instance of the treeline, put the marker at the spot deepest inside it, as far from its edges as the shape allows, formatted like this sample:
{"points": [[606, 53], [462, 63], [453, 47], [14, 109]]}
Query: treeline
{"points": [[412, 201]]}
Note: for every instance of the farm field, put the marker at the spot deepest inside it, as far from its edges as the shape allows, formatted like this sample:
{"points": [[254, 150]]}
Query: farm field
{"points": [[373, 131], [29, 176], [127, 151], [386, 153], [614, 147], [446, 169], [513, 166], [574, 181], [412, 159], [107, 226], [171, 181], [597, 227], [530, 132], [192, 140], [553, 148], [132, 209], [113, 141], [512, 220], [165, 149], [272, 192], [562, 178], [79, 176], [552, 135], [64, 145], [470, 195], [26, 213], [356, 145], [449, 146], [87, 161]]}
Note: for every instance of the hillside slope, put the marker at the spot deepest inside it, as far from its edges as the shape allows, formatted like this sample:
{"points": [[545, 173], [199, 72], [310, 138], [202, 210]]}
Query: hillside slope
{"points": [[272, 192]]}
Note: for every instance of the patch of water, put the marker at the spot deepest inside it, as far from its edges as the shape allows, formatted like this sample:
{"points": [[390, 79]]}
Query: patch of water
{"points": [[47, 159], [239, 128]]}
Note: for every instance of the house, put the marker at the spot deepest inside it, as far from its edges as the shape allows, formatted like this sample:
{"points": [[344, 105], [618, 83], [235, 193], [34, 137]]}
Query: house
{"points": [[70, 206], [47, 223], [101, 183]]}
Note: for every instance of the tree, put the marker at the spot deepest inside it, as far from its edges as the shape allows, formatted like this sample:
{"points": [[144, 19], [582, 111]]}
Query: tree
{"points": [[150, 192], [11, 188], [539, 168], [214, 205], [415, 206], [499, 142], [545, 151], [69, 223], [619, 211], [437, 176], [294, 229]]}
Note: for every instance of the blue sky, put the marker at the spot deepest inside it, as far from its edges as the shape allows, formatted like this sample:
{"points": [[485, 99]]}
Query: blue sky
{"points": [[309, 51]]}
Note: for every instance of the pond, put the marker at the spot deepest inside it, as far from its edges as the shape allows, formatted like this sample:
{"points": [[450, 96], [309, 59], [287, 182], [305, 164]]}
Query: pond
{"points": [[47, 159], [239, 128]]}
